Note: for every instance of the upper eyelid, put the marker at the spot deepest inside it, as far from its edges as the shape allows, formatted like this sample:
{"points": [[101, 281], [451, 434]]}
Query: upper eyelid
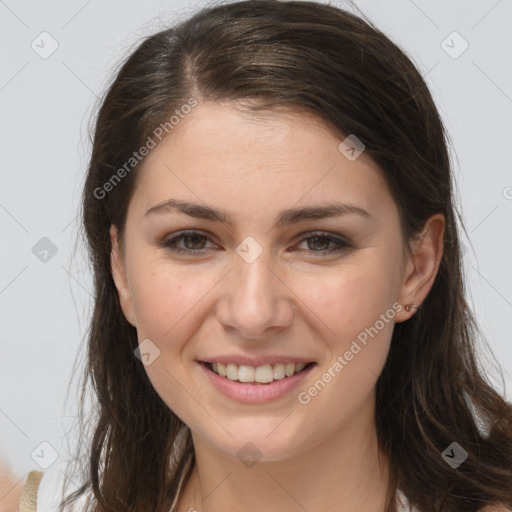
{"points": [[187, 232], [313, 232]]}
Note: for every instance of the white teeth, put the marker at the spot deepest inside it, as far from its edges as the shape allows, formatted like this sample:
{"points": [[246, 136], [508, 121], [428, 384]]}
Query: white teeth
{"points": [[232, 372], [262, 374], [245, 373], [289, 369], [299, 367], [279, 372]]}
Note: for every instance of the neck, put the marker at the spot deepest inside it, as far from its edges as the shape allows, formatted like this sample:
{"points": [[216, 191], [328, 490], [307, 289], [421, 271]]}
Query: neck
{"points": [[345, 472]]}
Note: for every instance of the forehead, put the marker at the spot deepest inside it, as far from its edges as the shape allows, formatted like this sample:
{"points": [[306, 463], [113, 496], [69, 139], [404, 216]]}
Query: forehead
{"points": [[239, 160]]}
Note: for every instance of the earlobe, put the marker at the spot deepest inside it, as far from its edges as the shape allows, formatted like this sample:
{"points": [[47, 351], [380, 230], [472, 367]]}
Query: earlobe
{"points": [[422, 266], [119, 277]]}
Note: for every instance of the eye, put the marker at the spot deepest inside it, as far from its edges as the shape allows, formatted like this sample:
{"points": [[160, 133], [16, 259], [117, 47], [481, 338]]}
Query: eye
{"points": [[193, 241], [318, 243]]}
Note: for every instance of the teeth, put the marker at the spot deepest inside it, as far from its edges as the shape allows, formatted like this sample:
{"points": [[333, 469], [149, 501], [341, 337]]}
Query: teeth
{"points": [[264, 374], [246, 373], [279, 371], [261, 374], [232, 372]]}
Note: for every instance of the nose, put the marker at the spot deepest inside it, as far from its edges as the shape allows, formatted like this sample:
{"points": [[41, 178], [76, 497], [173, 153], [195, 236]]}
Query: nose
{"points": [[254, 299]]}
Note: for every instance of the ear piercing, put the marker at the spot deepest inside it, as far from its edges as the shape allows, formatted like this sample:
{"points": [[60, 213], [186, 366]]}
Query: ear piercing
{"points": [[408, 307]]}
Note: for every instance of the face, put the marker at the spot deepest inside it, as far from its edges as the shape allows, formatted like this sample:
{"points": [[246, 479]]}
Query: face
{"points": [[264, 277]]}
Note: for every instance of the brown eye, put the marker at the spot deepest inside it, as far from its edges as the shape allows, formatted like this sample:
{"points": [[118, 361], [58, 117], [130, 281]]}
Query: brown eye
{"points": [[192, 242], [313, 243], [322, 244], [196, 241]]}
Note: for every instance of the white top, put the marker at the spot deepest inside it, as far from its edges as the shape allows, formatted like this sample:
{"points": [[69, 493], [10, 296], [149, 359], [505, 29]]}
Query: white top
{"points": [[49, 493]]}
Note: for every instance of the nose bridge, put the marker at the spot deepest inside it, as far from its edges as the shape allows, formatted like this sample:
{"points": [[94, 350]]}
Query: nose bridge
{"points": [[252, 301], [252, 286]]}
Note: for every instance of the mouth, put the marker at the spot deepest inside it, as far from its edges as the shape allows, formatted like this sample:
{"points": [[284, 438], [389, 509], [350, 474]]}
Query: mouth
{"points": [[257, 375]]}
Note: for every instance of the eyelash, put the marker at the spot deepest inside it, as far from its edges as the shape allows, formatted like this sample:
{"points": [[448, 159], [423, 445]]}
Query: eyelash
{"points": [[170, 244]]}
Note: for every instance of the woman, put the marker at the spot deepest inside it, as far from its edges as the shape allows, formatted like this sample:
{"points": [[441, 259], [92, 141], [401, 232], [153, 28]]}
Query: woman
{"points": [[280, 320]]}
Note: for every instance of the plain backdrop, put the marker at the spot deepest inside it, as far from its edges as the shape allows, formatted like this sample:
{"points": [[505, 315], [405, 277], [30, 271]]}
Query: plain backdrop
{"points": [[57, 58]]}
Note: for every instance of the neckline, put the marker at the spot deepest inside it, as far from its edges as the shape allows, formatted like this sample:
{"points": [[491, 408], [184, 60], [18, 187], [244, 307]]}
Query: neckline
{"points": [[402, 502]]}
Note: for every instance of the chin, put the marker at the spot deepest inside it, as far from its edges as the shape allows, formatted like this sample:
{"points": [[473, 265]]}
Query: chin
{"points": [[252, 440]]}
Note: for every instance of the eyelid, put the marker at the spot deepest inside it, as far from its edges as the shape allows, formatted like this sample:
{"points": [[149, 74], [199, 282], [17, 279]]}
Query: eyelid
{"points": [[323, 234]]}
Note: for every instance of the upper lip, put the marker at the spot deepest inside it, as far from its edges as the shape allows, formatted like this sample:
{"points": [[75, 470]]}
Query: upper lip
{"points": [[255, 361]]}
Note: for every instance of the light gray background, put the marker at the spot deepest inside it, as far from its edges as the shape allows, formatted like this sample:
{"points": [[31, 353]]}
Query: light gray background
{"points": [[46, 105]]}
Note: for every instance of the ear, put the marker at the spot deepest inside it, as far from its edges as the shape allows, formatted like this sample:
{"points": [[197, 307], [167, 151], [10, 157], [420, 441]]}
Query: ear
{"points": [[119, 276], [422, 266]]}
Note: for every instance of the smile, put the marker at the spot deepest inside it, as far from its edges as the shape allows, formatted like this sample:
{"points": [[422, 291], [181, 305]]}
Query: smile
{"points": [[255, 384], [264, 374]]}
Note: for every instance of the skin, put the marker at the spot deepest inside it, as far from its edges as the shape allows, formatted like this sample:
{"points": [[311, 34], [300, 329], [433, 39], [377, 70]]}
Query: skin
{"points": [[290, 300], [10, 489]]}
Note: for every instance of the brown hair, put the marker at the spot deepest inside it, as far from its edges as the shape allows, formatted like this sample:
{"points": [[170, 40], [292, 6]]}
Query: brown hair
{"points": [[301, 56]]}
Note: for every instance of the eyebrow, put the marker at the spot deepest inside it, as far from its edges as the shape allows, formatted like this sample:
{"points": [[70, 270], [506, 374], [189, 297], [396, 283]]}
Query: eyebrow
{"points": [[285, 217]]}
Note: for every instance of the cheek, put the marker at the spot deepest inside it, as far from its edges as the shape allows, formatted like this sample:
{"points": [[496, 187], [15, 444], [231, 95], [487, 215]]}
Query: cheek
{"points": [[165, 298], [357, 308], [167, 305], [354, 309], [171, 302], [350, 298]]}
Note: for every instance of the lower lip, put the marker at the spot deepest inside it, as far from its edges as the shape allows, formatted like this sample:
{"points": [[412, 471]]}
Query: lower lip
{"points": [[250, 393]]}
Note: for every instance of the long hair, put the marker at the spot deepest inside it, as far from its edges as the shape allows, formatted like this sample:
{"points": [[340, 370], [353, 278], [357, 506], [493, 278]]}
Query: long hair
{"points": [[305, 57]]}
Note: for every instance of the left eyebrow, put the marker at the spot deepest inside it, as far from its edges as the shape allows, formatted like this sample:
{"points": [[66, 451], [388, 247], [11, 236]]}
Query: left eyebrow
{"points": [[285, 217]]}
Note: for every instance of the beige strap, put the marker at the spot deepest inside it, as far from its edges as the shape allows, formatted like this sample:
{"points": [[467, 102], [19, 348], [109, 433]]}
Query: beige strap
{"points": [[28, 498]]}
